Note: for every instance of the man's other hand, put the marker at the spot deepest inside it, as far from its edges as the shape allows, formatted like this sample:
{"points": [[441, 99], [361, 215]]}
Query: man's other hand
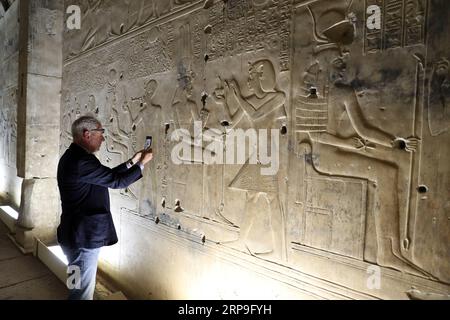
{"points": [[137, 156], [147, 155]]}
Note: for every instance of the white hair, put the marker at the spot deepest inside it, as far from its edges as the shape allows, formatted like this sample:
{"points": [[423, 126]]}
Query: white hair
{"points": [[86, 122]]}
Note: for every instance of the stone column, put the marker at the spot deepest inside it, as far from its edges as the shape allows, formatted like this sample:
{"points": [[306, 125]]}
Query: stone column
{"points": [[40, 72]]}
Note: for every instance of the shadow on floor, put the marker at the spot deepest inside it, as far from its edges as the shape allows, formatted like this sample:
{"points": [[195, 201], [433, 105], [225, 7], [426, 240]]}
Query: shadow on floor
{"points": [[24, 277]]}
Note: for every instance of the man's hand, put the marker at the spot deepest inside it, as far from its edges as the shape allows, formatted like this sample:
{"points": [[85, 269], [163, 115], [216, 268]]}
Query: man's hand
{"points": [[146, 156], [137, 156]]}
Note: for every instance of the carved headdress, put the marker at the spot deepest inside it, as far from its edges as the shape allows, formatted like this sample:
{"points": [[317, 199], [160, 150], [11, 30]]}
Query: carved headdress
{"points": [[266, 73], [333, 26]]}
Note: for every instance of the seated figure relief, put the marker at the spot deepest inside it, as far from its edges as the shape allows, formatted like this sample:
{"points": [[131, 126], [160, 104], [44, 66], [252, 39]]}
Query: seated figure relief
{"points": [[344, 143]]}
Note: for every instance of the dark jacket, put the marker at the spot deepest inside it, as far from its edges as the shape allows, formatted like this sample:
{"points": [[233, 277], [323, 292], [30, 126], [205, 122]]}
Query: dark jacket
{"points": [[83, 182]]}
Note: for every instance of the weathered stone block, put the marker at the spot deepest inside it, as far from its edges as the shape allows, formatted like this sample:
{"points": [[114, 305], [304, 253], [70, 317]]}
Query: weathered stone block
{"points": [[43, 100], [10, 43], [41, 159], [45, 38], [38, 216]]}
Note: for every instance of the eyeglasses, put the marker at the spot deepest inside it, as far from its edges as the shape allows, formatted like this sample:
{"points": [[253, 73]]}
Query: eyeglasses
{"points": [[102, 130]]}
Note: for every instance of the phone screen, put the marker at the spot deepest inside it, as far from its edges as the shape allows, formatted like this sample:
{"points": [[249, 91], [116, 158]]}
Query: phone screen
{"points": [[148, 142]]}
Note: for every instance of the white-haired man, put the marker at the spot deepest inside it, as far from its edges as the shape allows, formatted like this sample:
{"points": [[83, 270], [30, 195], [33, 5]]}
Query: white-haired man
{"points": [[86, 222]]}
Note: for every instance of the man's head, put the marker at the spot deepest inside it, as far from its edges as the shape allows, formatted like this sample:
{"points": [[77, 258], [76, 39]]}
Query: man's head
{"points": [[87, 132]]}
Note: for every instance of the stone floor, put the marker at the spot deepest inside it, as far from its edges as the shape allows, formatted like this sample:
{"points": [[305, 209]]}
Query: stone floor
{"points": [[24, 277]]}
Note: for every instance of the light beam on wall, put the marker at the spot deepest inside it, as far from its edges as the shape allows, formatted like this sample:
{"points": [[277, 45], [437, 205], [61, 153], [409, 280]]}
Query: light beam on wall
{"points": [[10, 211], [57, 251]]}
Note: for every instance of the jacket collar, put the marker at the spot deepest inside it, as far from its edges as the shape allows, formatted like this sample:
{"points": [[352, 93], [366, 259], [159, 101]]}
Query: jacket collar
{"points": [[77, 148]]}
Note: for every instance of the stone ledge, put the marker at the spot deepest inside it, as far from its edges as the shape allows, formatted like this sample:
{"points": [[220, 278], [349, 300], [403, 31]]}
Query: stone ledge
{"points": [[58, 267], [7, 218], [337, 268]]}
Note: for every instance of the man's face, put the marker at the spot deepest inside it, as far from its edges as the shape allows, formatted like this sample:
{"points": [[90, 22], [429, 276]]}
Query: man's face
{"points": [[94, 138]]}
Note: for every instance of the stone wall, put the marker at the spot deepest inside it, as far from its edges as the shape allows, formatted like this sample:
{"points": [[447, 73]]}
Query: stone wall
{"points": [[40, 70], [362, 183], [30, 95], [9, 63]]}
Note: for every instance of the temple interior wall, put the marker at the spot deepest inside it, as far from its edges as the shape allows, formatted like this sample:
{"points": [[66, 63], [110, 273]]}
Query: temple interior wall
{"points": [[357, 184], [9, 61]]}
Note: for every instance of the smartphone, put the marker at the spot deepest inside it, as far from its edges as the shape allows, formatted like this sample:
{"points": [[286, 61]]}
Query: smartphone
{"points": [[148, 142]]}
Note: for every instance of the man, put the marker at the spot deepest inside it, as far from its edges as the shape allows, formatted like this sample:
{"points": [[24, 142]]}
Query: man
{"points": [[86, 221]]}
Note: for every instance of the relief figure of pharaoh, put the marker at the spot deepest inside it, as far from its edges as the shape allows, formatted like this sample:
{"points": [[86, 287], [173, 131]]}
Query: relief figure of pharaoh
{"points": [[261, 229]]}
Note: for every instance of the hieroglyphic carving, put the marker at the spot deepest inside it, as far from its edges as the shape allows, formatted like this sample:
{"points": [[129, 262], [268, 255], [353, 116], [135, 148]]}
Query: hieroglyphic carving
{"points": [[240, 26], [197, 30], [184, 44], [151, 53], [104, 20], [285, 37], [8, 127], [373, 37], [393, 24], [68, 115], [415, 22], [148, 53], [42, 21], [4, 127], [403, 25], [216, 45], [198, 21]]}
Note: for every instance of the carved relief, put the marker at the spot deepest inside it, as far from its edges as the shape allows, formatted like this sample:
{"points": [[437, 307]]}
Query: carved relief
{"points": [[127, 119], [149, 116], [352, 124], [332, 209], [403, 25], [148, 53], [104, 20], [439, 98], [430, 209], [240, 26], [151, 52], [183, 112], [184, 109], [3, 129], [262, 228], [329, 117], [8, 127], [69, 114]]}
